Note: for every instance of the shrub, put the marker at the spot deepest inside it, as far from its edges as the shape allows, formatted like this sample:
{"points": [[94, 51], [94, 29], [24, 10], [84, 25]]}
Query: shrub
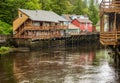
{"points": [[4, 50]]}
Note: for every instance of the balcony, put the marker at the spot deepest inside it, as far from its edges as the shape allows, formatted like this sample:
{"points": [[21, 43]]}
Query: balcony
{"points": [[107, 6], [45, 27], [43, 36], [110, 38], [37, 28]]}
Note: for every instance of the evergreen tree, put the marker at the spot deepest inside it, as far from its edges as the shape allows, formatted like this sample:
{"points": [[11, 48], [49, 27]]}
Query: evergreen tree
{"points": [[78, 9], [45, 4], [9, 8], [93, 13], [61, 6], [85, 7], [5, 28]]}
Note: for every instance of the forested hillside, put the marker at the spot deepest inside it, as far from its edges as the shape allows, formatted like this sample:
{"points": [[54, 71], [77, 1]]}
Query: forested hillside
{"points": [[9, 9]]}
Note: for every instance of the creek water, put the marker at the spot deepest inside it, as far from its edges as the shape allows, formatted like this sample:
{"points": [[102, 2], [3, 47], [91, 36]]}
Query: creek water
{"points": [[76, 64]]}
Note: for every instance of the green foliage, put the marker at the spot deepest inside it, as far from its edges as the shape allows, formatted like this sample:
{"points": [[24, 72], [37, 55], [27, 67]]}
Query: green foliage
{"points": [[32, 4], [61, 6], [78, 7], [93, 13], [4, 50], [45, 4], [5, 28], [9, 8]]}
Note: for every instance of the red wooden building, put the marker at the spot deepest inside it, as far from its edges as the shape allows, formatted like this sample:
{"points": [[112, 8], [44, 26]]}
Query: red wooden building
{"points": [[84, 24]]}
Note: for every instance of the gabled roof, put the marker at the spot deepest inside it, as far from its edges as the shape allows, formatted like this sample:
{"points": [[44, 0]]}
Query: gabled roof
{"points": [[67, 17], [83, 20], [42, 15], [80, 18], [98, 23]]}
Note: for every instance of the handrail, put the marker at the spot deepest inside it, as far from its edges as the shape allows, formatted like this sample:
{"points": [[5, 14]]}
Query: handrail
{"points": [[112, 5], [110, 37], [44, 27]]}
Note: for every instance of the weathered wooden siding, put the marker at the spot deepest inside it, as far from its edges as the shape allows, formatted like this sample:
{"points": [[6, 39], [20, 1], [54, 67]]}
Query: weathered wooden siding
{"points": [[110, 15], [82, 26], [20, 20], [75, 22]]}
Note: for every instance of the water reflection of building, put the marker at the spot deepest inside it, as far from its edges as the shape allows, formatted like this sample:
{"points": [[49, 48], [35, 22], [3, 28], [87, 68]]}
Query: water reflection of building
{"points": [[85, 58], [49, 67], [37, 67]]}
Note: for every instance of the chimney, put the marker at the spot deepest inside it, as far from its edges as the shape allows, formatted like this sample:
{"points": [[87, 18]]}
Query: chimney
{"points": [[36, 12]]}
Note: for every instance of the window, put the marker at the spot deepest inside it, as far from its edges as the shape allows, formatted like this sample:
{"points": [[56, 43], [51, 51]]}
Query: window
{"points": [[20, 14], [36, 24]]}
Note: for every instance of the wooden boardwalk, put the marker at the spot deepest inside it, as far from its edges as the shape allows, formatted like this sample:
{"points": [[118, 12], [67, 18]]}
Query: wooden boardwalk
{"points": [[56, 42]]}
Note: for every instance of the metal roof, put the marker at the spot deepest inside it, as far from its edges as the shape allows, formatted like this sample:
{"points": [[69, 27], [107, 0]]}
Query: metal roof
{"points": [[42, 15], [84, 20], [67, 16]]}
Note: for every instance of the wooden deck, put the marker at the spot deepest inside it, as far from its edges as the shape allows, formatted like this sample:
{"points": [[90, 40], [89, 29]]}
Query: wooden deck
{"points": [[110, 38], [109, 14], [109, 6], [44, 27]]}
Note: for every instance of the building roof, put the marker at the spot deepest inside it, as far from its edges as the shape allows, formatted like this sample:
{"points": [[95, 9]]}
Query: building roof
{"points": [[67, 17], [72, 26], [80, 18], [84, 20], [42, 15], [98, 23]]}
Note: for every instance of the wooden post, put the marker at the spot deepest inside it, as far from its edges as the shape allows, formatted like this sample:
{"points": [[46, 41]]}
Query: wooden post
{"points": [[102, 24], [115, 29], [114, 22]]}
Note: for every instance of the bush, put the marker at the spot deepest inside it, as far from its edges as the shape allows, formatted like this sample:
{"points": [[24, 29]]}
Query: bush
{"points": [[5, 28], [4, 50]]}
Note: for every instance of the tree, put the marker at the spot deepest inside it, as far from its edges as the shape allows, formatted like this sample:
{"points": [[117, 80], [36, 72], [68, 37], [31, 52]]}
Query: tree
{"points": [[32, 4], [9, 8], [61, 6], [78, 9], [93, 13], [5, 28], [45, 4], [85, 7]]}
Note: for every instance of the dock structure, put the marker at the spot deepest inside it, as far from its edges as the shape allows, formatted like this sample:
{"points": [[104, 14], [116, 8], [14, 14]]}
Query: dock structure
{"points": [[110, 22], [40, 28]]}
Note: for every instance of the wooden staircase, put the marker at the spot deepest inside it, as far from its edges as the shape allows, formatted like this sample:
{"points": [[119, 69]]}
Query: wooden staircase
{"points": [[19, 33], [18, 22]]}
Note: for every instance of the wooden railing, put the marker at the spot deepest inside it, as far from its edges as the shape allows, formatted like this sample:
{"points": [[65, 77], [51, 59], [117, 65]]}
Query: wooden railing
{"points": [[118, 35], [37, 28], [109, 6], [44, 36], [61, 27], [44, 27], [19, 33], [48, 36], [110, 38]]}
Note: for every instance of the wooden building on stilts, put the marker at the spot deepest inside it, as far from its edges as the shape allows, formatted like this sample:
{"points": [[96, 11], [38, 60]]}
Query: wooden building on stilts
{"points": [[110, 22], [38, 25], [110, 27]]}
